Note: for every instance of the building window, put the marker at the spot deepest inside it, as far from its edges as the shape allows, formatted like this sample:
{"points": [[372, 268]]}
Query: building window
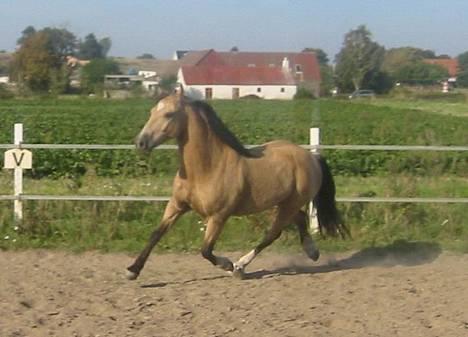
{"points": [[208, 93], [298, 68], [259, 89], [282, 89]]}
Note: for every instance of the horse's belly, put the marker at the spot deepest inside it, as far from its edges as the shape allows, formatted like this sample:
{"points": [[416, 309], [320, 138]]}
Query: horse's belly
{"points": [[264, 194]]}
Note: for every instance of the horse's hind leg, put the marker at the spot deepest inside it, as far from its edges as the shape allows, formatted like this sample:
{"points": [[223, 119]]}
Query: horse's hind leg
{"points": [[282, 218], [213, 230], [308, 244]]}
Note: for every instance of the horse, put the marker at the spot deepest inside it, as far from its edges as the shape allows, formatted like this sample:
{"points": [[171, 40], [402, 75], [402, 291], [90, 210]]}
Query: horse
{"points": [[219, 177]]}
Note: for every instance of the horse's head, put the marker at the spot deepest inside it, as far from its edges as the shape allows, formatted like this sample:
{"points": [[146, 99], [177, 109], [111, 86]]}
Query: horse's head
{"points": [[167, 120]]}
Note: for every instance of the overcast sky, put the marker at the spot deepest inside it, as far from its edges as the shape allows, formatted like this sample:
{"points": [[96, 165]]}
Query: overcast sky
{"points": [[160, 27]]}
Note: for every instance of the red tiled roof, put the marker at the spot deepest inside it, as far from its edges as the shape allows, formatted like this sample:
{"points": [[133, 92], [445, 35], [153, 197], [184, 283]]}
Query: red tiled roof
{"points": [[450, 64], [201, 57], [307, 61], [226, 75]]}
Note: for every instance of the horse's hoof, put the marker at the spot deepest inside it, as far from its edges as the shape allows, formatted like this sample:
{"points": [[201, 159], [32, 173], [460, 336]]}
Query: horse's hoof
{"points": [[314, 255], [238, 272], [131, 276]]}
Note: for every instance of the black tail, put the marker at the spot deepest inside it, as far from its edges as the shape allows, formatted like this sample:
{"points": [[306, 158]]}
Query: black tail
{"points": [[327, 213]]}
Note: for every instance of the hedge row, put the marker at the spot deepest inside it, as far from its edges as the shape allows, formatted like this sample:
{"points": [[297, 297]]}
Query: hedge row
{"points": [[341, 122]]}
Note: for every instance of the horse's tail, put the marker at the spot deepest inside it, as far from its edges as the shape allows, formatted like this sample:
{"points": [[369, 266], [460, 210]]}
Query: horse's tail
{"points": [[328, 216]]}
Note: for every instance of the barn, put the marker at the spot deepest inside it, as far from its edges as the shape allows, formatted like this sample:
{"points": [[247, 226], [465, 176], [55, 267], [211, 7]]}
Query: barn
{"points": [[227, 82], [230, 75]]}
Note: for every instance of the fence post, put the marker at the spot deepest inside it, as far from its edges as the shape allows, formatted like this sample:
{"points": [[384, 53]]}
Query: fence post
{"points": [[314, 141], [18, 183]]}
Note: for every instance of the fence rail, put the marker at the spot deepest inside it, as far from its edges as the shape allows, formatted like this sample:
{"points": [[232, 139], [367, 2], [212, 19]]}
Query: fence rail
{"points": [[174, 147], [166, 198], [314, 146]]}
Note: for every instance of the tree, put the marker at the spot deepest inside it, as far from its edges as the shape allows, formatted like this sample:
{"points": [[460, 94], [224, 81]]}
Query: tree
{"points": [[40, 60], [25, 34], [234, 49], [419, 72], [327, 84], [92, 74], [106, 44], [33, 62], [358, 59], [462, 76], [146, 56], [168, 83], [425, 53], [322, 57], [380, 81], [462, 79], [396, 58], [90, 48], [463, 61], [62, 42]]}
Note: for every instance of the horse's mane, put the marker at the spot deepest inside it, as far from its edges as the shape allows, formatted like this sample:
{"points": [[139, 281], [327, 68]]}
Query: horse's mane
{"points": [[220, 129]]}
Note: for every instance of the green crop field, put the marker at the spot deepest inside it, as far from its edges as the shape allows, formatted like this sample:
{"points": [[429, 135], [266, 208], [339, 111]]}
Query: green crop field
{"points": [[125, 226]]}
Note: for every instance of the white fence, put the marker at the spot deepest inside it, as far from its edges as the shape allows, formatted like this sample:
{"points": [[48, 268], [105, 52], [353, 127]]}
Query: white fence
{"points": [[18, 197]]}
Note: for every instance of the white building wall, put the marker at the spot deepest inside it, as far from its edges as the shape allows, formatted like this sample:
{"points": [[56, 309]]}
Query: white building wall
{"points": [[226, 91]]}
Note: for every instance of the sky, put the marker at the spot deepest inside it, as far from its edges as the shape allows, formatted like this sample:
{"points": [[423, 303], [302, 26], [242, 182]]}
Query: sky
{"points": [[161, 27]]}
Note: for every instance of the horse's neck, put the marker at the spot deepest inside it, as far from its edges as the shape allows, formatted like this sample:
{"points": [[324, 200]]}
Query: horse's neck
{"points": [[200, 149]]}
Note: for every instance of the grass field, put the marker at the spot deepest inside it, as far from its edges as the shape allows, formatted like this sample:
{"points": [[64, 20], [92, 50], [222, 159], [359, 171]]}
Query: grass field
{"points": [[125, 226]]}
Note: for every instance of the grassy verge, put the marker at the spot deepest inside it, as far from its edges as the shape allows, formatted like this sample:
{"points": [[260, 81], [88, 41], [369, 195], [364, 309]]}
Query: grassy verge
{"points": [[125, 226], [439, 107]]}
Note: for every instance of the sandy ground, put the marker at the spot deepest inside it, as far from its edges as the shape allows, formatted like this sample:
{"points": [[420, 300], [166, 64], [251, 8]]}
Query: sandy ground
{"points": [[369, 293]]}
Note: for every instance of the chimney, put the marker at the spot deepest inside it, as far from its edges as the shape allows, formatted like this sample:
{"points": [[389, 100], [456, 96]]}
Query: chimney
{"points": [[285, 65]]}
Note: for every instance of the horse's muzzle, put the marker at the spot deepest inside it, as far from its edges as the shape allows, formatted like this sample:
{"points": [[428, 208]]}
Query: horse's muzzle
{"points": [[142, 142], [146, 142]]}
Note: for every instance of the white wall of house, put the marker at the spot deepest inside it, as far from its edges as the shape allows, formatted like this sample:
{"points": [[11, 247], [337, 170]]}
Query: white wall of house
{"points": [[228, 91]]}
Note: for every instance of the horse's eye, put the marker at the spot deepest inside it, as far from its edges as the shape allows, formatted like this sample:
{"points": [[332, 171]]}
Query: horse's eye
{"points": [[169, 114]]}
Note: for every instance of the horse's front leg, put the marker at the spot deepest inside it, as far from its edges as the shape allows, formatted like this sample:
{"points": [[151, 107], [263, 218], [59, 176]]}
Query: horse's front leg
{"points": [[172, 212], [213, 230]]}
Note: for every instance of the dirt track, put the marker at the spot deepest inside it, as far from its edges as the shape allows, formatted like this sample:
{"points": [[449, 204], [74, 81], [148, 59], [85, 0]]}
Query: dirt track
{"points": [[48, 293]]}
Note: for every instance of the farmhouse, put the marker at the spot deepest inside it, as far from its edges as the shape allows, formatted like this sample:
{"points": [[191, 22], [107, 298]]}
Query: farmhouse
{"points": [[227, 82], [230, 75]]}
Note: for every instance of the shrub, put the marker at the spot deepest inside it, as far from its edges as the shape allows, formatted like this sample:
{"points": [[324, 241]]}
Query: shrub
{"points": [[5, 93], [303, 93]]}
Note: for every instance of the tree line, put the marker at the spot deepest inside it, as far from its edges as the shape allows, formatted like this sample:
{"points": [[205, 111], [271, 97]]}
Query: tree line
{"points": [[40, 61], [363, 63]]}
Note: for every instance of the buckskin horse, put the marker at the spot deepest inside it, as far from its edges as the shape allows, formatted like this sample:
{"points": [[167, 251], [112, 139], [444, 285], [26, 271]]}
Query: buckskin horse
{"points": [[219, 177]]}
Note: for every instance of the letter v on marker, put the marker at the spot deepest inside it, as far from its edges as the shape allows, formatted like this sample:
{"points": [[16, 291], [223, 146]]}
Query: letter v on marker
{"points": [[18, 161]]}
